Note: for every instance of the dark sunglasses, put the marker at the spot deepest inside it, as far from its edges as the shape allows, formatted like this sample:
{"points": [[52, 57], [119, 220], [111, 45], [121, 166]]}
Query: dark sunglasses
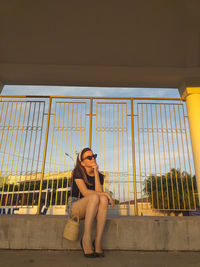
{"points": [[90, 157]]}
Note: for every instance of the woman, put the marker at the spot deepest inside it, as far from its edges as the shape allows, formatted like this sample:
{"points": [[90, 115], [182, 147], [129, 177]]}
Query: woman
{"points": [[88, 200]]}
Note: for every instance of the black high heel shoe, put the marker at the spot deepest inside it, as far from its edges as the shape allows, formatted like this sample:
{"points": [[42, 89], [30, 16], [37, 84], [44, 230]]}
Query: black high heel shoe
{"points": [[88, 255], [97, 253]]}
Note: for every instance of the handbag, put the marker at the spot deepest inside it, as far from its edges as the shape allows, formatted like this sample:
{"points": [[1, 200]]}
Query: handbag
{"points": [[71, 229]]}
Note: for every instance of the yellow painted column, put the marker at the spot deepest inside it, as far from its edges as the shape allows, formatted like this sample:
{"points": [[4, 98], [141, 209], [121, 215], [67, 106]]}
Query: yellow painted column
{"points": [[192, 97]]}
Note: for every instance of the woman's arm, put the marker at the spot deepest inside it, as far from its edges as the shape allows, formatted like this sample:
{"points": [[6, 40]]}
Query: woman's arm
{"points": [[111, 200], [83, 188], [85, 191], [98, 186]]}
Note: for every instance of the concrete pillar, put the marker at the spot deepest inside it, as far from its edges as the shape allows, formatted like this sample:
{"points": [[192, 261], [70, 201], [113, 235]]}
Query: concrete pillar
{"points": [[1, 87], [192, 98]]}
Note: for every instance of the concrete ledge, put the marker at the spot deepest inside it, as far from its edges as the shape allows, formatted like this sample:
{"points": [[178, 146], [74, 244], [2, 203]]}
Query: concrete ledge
{"points": [[121, 233]]}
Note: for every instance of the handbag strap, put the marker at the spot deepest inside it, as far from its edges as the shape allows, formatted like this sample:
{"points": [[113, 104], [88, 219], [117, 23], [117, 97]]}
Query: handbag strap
{"points": [[76, 217]]}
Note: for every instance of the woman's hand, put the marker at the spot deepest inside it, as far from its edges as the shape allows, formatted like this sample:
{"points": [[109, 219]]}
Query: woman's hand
{"points": [[95, 167], [111, 200]]}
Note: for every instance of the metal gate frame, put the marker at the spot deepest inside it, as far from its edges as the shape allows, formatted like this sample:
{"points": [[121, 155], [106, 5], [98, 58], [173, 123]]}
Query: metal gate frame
{"points": [[91, 99]]}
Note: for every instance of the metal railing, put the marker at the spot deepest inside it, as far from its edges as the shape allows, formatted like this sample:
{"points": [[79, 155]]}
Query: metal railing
{"points": [[143, 148]]}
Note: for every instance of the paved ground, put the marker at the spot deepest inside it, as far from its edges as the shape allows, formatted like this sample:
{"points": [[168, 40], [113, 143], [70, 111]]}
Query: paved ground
{"points": [[44, 258]]}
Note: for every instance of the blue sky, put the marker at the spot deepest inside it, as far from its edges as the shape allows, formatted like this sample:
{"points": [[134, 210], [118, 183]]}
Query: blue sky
{"points": [[89, 91]]}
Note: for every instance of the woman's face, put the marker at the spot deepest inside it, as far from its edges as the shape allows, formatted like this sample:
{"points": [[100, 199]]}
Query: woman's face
{"points": [[86, 162]]}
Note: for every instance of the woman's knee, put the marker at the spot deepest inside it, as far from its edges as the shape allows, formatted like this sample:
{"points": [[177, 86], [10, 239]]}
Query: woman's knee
{"points": [[104, 201], [94, 199]]}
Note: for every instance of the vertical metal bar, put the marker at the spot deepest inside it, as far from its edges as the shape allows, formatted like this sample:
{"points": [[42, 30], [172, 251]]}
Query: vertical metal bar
{"points": [[109, 145], [55, 153], [79, 146], [174, 158], [38, 157], [127, 156], [163, 143], [114, 173], [67, 126], [29, 149], [154, 158], [138, 126], [70, 149], [96, 128], [14, 151], [119, 187], [169, 157], [124, 190], [20, 143], [72, 118], [61, 152], [34, 147], [50, 157], [104, 156], [76, 121], [24, 149], [161, 180], [85, 124], [149, 156], [90, 136], [31, 171], [100, 130], [133, 155], [144, 144], [44, 156], [8, 189], [35, 142]]}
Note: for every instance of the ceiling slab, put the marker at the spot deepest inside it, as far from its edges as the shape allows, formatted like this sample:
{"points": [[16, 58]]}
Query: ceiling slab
{"points": [[135, 43]]}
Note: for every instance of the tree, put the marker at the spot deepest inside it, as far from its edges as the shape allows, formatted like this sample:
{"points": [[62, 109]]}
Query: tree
{"points": [[173, 191]]}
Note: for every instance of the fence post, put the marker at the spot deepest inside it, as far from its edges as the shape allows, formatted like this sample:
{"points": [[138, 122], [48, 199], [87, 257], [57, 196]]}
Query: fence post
{"points": [[133, 153], [44, 156], [90, 136]]}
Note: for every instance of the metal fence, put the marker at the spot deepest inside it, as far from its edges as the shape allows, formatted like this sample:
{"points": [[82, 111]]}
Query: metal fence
{"points": [[143, 148]]}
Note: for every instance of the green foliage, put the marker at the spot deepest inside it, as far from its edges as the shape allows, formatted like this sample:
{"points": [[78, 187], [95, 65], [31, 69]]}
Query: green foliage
{"points": [[174, 191]]}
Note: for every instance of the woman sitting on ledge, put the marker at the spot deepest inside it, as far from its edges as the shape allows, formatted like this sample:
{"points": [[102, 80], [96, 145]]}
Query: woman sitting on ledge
{"points": [[88, 200]]}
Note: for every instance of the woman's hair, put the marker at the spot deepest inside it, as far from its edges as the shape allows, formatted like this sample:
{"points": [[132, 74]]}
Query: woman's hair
{"points": [[79, 170]]}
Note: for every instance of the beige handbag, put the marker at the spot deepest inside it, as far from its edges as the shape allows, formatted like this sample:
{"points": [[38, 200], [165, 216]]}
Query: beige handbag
{"points": [[71, 229]]}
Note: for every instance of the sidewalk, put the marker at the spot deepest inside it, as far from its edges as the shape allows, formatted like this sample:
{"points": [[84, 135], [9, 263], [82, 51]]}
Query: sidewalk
{"points": [[44, 258]]}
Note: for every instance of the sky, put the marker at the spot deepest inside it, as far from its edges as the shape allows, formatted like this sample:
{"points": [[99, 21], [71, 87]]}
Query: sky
{"points": [[89, 91]]}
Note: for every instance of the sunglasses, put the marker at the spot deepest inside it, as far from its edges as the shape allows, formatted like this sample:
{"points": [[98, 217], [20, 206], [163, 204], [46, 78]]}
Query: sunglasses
{"points": [[90, 157]]}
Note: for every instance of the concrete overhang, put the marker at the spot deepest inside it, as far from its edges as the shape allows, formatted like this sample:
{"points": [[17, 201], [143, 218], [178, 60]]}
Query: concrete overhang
{"points": [[137, 43]]}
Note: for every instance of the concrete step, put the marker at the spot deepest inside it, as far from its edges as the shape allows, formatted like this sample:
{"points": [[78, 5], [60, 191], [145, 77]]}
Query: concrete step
{"points": [[121, 233]]}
